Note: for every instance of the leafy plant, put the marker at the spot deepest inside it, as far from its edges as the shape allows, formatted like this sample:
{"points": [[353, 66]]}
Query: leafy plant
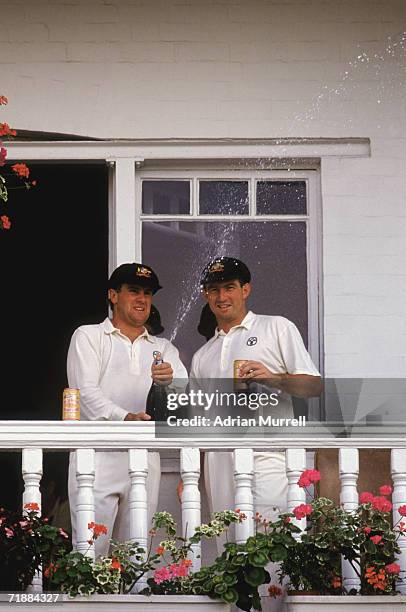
{"points": [[27, 541], [364, 536]]}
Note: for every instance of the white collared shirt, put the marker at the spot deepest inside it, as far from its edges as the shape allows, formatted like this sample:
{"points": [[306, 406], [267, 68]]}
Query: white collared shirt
{"points": [[272, 340], [113, 373]]}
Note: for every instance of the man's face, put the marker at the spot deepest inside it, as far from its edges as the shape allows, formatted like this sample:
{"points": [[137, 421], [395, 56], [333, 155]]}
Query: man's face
{"points": [[131, 304], [227, 300]]}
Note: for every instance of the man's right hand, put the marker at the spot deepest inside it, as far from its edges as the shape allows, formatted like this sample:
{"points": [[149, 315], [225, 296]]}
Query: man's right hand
{"points": [[139, 416]]}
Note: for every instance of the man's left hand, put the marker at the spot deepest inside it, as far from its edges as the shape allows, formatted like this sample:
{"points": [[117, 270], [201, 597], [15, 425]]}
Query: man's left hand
{"points": [[256, 369], [162, 374]]}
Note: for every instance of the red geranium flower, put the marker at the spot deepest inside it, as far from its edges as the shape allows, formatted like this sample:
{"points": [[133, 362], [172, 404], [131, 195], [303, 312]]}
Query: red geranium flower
{"points": [[382, 504], [5, 222], [385, 490], [274, 591], [366, 497], [376, 539], [21, 170], [32, 506], [302, 510], [393, 568], [307, 477]]}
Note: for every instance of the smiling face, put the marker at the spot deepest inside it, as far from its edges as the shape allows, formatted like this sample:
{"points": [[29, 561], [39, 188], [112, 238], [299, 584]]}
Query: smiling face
{"points": [[227, 302], [131, 306]]}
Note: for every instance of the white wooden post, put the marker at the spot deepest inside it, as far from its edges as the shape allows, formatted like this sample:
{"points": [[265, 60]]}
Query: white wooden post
{"points": [[85, 514], [295, 465], [349, 470], [124, 233], [32, 473], [191, 506], [398, 468], [243, 476], [138, 503]]}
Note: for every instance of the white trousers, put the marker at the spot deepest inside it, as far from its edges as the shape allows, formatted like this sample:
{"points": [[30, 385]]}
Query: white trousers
{"points": [[270, 484], [111, 495]]}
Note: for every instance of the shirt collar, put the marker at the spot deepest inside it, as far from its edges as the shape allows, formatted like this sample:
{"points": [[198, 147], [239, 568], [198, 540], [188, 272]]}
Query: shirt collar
{"points": [[246, 323], [109, 328]]}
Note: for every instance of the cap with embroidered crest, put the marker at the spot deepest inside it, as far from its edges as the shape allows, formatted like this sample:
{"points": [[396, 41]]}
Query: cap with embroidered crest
{"points": [[134, 274], [225, 268]]}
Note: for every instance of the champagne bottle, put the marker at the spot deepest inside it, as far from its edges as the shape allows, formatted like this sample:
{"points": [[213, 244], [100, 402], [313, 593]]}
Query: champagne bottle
{"points": [[156, 405]]}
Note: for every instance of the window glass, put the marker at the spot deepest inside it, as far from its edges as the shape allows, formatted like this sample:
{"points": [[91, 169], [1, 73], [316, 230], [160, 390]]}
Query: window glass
{"points": [[281, 198], [275, 252], [223, 198], [166, 197]]}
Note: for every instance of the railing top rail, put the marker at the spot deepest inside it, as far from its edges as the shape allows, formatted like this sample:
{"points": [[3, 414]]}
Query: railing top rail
{"points": [[120, 435]]}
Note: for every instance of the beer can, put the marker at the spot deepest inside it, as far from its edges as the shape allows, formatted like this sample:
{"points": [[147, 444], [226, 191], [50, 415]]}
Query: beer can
{"points": [[239, 385], [71, 405]]}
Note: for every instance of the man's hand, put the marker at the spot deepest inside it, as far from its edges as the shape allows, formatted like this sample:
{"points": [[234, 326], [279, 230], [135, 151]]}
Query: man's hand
{"points": [[256, 369], [162, 374], [299, 385], [138, 416]]}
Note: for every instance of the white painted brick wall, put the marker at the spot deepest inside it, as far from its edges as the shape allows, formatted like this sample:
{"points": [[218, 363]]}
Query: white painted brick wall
{"points": [[245, 68]]}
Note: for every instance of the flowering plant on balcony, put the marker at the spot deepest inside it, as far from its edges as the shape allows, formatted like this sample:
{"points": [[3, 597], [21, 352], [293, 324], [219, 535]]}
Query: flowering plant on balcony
{"points": [[77, 574], [364, 536], [27, 541], [16, 176], [236, 574]]}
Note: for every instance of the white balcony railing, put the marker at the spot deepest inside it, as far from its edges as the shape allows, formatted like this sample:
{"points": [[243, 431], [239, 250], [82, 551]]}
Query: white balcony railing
{"points": [[32, 437]]}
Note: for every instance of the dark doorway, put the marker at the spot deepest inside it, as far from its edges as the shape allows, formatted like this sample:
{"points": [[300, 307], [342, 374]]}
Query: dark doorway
{"points": [[54, 270]]}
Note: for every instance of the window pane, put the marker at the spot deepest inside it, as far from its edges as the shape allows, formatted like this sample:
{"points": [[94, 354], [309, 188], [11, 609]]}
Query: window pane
{"points": [[281, 198], [223, 197], [275, 252], [166, 197]]}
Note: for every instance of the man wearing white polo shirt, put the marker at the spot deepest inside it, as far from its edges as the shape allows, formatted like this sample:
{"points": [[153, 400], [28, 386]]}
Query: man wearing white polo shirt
{"points": [[111, 363], [274, 354]]}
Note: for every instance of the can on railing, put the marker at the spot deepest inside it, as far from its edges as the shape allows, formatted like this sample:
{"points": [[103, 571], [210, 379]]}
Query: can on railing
{"points": [[71, 405], [239, 384]]}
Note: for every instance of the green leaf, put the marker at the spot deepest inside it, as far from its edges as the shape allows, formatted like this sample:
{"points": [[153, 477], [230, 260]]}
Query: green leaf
{"points": [[278, 553], [256, 602], [230, 596], [255, 576], [230, 579], [258, 559]]}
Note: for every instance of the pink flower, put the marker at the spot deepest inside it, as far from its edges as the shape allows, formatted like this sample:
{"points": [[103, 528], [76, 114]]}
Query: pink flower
{"points": [[63, 533], [9, 532], [5, 222], [393, 568], [385, 490], [161, 574], [307, 477], [3, 100], [366, 497], [367, 530], [381, 504], [376, 539], [402, 510], [302, 511]]}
